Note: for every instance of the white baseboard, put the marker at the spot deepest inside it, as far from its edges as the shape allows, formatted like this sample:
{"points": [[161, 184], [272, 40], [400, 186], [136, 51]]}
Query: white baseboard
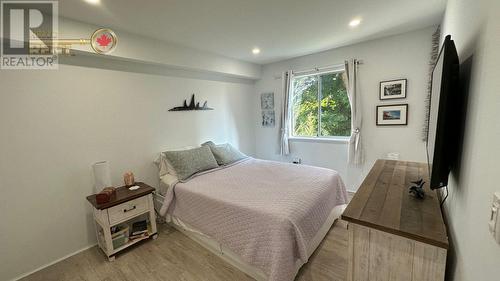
{"points": [[53, 262]]}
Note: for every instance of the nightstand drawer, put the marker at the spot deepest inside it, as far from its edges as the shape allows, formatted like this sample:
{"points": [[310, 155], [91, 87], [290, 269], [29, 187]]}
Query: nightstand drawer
{"points": [[127, 210]]}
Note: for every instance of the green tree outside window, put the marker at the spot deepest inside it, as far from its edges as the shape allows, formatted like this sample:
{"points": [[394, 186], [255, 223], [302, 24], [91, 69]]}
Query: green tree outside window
{"points": [[320, 106]]}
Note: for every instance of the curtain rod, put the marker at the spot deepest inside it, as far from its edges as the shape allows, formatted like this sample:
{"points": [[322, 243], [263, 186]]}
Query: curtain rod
{"points": [[317, 68], [358, 62]]}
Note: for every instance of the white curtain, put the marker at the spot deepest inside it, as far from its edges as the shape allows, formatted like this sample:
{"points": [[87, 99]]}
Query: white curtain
{"points": [[355, 151], [285, 117]]}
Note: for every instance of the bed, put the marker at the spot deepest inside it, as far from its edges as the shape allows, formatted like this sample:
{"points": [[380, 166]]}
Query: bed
{"points": [[264, 217]]}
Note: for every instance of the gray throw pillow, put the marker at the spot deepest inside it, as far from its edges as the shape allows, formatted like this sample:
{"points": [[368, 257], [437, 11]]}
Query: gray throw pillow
{"points": [[225, 153], [209, 143], [189, 162]]}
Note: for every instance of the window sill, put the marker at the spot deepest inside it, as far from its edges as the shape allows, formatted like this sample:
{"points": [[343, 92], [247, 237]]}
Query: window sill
{"points": [[331, 140]]}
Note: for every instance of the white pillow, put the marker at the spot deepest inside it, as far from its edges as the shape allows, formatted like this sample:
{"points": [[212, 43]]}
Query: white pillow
{"points": [[161, 164], [167, 181]]}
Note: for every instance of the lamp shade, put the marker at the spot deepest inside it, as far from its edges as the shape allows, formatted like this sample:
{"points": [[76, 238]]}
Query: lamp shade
{"points": [[102, 175]]}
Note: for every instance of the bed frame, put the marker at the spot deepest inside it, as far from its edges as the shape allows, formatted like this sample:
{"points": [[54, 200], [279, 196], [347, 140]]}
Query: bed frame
{"points": [[229, 256]]}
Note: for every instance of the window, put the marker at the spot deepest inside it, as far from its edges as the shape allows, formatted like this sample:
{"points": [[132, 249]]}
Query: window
{"points": [[320, 106]]}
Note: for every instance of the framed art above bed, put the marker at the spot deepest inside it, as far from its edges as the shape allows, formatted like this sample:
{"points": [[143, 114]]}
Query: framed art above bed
{"points": [[267, 107]]}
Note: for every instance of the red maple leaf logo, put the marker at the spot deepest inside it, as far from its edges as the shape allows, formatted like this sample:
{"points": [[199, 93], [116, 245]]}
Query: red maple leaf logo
{"points": [[103, 40]]}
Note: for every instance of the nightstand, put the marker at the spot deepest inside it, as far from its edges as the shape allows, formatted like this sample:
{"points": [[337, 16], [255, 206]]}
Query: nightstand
{"points": [[114, 219]]}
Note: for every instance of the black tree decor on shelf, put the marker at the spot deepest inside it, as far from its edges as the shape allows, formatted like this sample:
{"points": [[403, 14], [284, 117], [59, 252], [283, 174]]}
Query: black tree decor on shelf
{"points": [[191, 106]]}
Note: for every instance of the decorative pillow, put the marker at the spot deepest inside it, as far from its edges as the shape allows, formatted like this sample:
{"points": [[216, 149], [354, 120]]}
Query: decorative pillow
{"points": [[209, 143], [189, 162], [225, 153], [164, 167]]}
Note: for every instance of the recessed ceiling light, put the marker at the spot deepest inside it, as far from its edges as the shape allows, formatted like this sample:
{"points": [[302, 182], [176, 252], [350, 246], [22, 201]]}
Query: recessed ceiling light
{"points": [[255, 51], [354, 22], [93, 2]]}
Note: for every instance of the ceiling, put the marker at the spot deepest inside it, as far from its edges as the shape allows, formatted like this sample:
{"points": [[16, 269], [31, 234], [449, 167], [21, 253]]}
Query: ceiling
{"points": [[280, 28]]}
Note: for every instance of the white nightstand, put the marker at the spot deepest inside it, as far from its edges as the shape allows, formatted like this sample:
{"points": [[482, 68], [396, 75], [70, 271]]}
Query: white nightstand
{"points": [[127, 207]]}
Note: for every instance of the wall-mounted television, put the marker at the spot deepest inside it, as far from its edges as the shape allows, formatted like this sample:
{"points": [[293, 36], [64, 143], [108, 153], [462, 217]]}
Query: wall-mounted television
{"points": [[444, 115]]}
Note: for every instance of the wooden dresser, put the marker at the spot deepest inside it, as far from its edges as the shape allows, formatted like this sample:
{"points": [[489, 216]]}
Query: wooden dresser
{"points": [[392, 235]]}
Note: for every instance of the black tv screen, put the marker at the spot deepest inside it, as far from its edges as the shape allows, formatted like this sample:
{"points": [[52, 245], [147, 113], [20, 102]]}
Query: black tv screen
{"points": [[442, 138]]}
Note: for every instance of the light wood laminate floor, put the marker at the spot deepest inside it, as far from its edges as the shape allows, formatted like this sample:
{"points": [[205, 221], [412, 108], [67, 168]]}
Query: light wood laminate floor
{"points": [[173, 257]]}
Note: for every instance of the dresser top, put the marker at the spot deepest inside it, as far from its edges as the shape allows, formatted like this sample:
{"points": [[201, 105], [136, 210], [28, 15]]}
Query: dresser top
{"points": [[382, 202], [123, 194]]}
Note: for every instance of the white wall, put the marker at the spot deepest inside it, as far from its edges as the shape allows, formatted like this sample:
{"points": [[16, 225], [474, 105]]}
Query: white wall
{"points": [[475, 28], [401, 56], [55, 124], [132, 47]]}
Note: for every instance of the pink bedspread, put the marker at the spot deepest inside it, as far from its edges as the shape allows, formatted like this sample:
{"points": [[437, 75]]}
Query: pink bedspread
{"points": [[266, 212]]}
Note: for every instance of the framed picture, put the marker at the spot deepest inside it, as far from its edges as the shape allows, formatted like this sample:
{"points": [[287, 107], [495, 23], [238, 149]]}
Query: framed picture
{"points": [[268, 118], [395, 89], [267, 101], [392, 115]]}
